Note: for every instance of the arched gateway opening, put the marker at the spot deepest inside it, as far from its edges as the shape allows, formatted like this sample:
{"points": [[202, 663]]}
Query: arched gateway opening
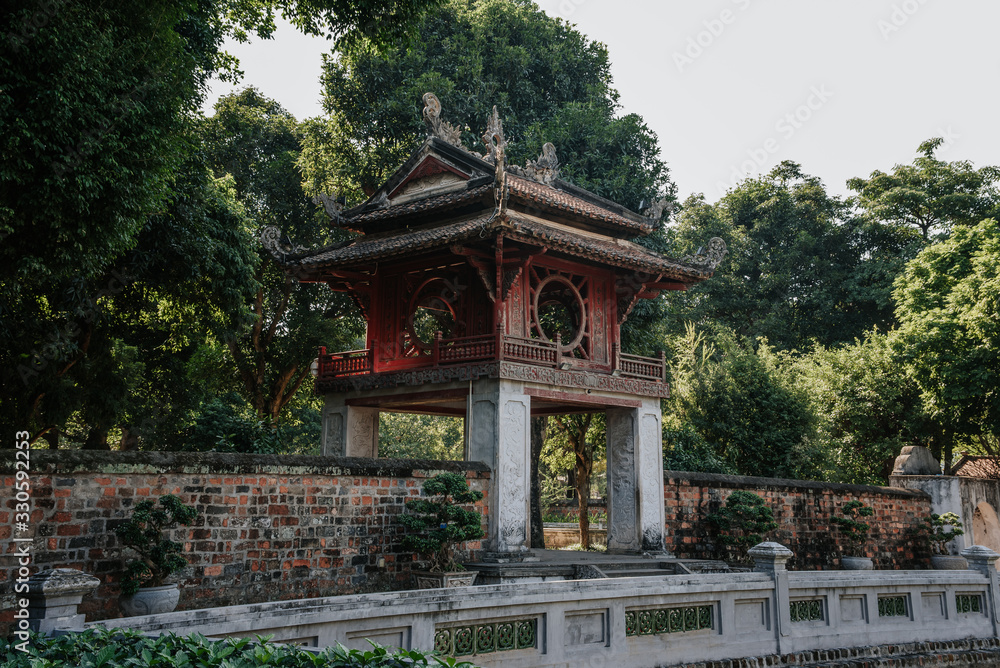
{"points": [[495, 293], [986, 527]]}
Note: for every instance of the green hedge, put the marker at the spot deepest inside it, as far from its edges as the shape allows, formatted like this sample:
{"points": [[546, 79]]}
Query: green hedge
{"points": [[99, 648]]}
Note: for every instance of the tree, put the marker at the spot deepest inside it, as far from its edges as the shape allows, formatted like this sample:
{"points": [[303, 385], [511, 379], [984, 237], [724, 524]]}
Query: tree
{"points": [[740, 401], [787, 277], [949, 334], [96, 106], [257, 143], [867, 407], [548, 81], [930, 195], [575, 429]]}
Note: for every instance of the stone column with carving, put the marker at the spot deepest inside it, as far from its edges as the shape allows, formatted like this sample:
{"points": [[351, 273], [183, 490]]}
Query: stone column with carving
{"points": [[498, 424], [349, 431], [636, 515]]}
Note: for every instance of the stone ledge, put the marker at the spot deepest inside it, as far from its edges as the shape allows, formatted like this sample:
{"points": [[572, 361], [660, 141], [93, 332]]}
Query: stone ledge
{"points": [[971, 653], [155, 462], [718, 480]]}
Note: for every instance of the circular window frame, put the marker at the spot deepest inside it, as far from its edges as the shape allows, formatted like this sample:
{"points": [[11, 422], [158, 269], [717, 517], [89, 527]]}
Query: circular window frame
{"points": [[418, 296], [581, 327]]}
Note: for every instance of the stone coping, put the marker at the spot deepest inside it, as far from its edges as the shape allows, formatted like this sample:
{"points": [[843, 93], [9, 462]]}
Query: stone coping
{"points": [[55, 462], [744, 482]]}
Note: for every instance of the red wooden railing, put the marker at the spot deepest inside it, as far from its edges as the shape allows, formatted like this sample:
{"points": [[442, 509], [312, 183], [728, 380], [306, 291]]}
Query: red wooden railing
{"points": [[489, 348]]}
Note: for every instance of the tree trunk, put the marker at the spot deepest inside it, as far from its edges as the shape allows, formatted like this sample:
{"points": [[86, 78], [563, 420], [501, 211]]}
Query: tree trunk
{"points": [[583, 467], [538, 427], [97, 439]]}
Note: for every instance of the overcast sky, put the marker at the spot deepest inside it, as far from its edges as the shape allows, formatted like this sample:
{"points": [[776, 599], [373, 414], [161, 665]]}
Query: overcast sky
{"points": [[733, 87]]}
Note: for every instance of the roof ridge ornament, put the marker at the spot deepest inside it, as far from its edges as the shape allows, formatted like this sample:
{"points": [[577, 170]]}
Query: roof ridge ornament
{"points": [[332, 205], [444, 131], [710, 260], [546, 168], [655, 210], [496, 154], [277, 243]]}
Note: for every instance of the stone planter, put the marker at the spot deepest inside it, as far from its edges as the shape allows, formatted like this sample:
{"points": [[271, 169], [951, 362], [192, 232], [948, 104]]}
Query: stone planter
{"points": [[150, 601], [856, 564], [949, 562], [431, 580]]}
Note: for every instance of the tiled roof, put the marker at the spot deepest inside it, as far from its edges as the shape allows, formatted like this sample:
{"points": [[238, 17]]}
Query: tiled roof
{"points": [[385, 246], [443, 201], [540, 193], [971, 466], [614, 252]]}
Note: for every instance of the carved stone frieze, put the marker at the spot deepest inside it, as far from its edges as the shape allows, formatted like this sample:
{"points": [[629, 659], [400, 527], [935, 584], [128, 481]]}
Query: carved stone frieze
{"points": [[506, 370]]}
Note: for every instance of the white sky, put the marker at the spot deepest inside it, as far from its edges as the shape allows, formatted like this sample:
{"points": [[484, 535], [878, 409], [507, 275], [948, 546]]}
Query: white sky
{"points": [[880, 77]]}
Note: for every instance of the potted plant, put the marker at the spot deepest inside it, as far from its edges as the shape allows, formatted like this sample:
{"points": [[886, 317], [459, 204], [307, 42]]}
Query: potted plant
{"points": [[741, 523], [856, 533], [439, 523], [143, 589], [939, 530]]}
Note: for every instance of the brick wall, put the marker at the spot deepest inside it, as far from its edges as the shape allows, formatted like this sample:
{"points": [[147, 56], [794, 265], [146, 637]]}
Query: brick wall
{"points": [[269, 527], [802, 510]]}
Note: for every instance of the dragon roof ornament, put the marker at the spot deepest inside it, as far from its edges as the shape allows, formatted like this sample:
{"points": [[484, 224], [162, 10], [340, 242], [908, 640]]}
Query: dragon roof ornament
{"points": [[710, 260], [546, 168], [496, 153], [436, 127]]}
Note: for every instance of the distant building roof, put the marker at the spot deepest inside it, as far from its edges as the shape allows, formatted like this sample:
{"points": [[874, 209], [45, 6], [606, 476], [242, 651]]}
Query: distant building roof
{"points": [[973, 466]]}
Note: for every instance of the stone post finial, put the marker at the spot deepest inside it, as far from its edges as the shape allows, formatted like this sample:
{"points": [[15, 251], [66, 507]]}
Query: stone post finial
{"points": [[981, 558], [53, 597], [769, 557]]}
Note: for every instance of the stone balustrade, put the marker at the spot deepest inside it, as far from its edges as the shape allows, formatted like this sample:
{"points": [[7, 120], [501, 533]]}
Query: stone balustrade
{"points": [[639, 621]]}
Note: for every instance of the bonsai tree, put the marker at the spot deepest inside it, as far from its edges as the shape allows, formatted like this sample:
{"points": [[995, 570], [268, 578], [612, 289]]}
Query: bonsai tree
{"points": [[851, 526], [939, 530], [742, 522], [143, 533], [440, 522]]}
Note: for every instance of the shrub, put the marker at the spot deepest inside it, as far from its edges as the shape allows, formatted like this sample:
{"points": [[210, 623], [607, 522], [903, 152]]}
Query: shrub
{"points": [[742, 523], [851, 526], [441, 521], [142, 533], [939, 530], [117, 647]]}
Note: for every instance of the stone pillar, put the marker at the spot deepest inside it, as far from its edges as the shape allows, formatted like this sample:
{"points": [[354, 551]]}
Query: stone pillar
{"points": [[53, 597], [349, 431], [636, 515], [984, 560], [771, 558], [498, 425]]}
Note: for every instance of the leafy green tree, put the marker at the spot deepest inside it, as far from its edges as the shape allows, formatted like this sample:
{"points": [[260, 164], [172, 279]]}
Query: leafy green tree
{"points": [[741, 402], [408, 436], [253, 140], [930, 195], [792, 254], [548, 81], [949, 334], [867, 407]]}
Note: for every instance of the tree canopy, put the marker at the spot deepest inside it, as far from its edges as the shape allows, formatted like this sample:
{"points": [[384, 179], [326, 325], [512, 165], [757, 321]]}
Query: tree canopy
{"points": [[548, 81]]}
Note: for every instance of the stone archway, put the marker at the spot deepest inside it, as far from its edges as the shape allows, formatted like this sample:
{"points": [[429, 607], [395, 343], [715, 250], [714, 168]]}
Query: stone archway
{"points": [[986, 527]]}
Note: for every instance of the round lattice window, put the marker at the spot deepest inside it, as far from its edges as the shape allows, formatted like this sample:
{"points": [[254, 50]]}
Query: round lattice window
{"points": [[431, 312], [559, 309]]}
